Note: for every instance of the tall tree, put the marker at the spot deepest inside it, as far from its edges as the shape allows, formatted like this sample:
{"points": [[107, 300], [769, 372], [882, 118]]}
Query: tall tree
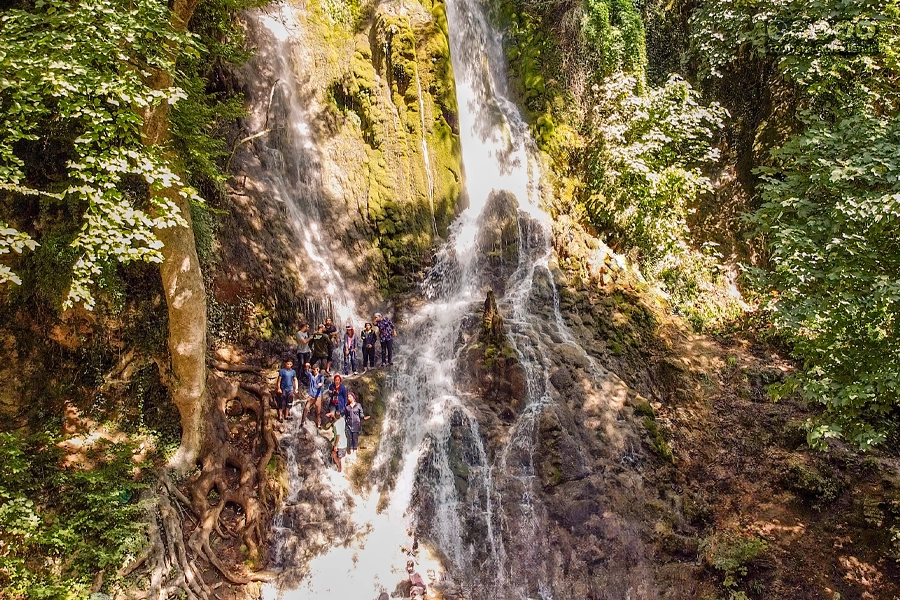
{"points": [[97, 76]]}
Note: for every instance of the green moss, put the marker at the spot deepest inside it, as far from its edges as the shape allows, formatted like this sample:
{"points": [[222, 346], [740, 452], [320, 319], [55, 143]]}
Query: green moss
{"points": [[817, 488], [643, 409], [658, 440]]}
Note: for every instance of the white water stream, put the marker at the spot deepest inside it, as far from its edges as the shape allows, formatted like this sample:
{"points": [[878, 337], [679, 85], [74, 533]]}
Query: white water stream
{"points": [[485, 541]]}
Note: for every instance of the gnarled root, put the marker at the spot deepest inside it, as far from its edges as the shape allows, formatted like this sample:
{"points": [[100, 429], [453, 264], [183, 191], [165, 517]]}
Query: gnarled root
{"points": [[187, 527]]}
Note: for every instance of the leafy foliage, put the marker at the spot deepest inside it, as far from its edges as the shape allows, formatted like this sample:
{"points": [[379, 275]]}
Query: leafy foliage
{"points": [[732, 555], [613, 29], [82, 68], [831, 216], [830, 198], [645, 166], [12, 241], [59, 526]]}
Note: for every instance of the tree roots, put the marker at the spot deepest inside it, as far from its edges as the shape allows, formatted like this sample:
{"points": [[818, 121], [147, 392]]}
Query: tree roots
{"points": [[225, 503]]}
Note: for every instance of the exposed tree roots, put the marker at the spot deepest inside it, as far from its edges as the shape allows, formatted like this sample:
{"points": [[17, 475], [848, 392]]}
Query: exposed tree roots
{"points": [[225, 503]]}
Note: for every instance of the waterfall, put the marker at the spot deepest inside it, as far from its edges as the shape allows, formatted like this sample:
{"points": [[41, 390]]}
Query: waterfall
{"points": [[289, 167], [437, 484], [425, 155]]}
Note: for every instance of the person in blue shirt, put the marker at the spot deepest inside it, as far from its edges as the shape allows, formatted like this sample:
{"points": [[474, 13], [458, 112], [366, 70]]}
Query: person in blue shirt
{"points": [[287, 386], [314, 392]]}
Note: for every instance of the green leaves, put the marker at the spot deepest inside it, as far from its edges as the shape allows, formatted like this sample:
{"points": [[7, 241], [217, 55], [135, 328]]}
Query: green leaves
{"points": [[55, 552], [646, 162], [84, 66], [832, 222], [12, 241]]}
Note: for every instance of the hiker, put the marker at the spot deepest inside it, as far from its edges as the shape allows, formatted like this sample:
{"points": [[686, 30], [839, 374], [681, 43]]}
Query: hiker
{"points": [[386, 333], [351, 344], [303, 351], [416, 583], [337, 391], [314, 392], [353, 416], [413, 586], [369, 338], [287, 385], [331, 330], [320, 345], [339, 445]]}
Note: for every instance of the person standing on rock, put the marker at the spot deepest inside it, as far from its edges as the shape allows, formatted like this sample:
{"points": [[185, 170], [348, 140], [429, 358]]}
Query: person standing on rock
{"points": [[337, 391], [314, 392], [303, 351], [288, 386], [386, 333], [351, 344], [417, 587], [354, 416], [320, 345], [331, 330], [369, 339], [339, 445]]}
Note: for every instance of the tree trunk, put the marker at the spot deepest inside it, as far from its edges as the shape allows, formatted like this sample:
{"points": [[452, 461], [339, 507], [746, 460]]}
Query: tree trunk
{"points": [[182, 281]]}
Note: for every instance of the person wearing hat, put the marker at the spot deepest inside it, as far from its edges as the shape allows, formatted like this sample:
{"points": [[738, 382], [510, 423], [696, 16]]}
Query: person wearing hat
{"points": [[386, 333], [351, 344], [369, 339]]}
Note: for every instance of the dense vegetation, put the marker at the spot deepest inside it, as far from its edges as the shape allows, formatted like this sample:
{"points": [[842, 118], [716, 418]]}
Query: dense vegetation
{"points": [[636, 107], [814, 145], [829, 199], [112, 121]]}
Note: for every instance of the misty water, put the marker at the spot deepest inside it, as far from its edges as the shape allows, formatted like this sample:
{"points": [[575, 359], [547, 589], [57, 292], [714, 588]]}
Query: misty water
{"points": [[487, 540]]}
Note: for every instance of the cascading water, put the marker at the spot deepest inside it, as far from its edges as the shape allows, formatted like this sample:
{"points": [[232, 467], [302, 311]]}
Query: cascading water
{"points": [[290, 165], [434, 477]]}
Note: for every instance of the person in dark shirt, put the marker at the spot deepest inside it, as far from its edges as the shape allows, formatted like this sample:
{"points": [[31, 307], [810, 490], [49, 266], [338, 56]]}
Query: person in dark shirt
{"points": [[320, 347], [287, 385], [353, 417], [369, 339], [331, 330], [386, 333]]}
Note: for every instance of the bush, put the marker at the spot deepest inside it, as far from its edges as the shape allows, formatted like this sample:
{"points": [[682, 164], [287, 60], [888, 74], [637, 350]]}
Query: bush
{"points": [[732, 554], [62, 525]]}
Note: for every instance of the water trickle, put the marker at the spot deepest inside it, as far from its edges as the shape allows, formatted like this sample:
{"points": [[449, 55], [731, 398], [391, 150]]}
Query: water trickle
{"points": [[435, 477], [290, 167], [426, 157]]}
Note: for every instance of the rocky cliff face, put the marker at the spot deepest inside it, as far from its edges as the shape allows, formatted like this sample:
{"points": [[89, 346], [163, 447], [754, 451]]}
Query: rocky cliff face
{"points": [[347, 170]]}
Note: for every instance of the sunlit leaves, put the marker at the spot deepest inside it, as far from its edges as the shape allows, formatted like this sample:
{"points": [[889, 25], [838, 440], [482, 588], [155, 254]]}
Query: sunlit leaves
{"points": [[647, 161], [60, 525], [12, 241], [831, 218], [85, 64]]}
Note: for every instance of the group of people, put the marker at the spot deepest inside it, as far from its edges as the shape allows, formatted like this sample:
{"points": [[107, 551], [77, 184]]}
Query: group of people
{"points": [[319, 348], [314, 361], [344, 410]]}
